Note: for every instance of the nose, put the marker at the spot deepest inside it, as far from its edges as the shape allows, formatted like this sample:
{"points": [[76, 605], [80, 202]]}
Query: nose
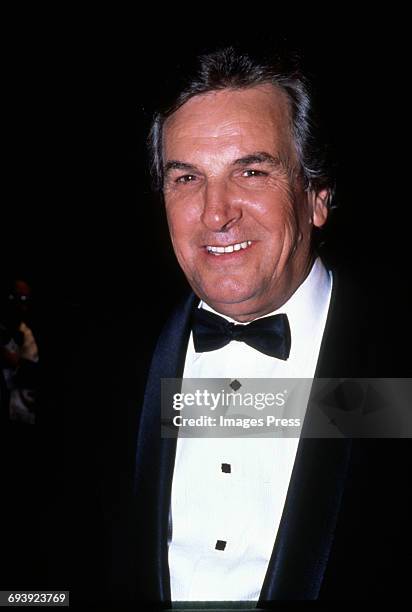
{"points": [[221, 210]]}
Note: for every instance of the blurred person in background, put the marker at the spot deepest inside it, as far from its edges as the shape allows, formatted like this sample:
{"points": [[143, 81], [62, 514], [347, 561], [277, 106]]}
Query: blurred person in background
{"points": [[19, 353]]}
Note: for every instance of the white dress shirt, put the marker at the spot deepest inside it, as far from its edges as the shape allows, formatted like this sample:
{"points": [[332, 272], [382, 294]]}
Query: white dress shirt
{"points": [[228, 494]]}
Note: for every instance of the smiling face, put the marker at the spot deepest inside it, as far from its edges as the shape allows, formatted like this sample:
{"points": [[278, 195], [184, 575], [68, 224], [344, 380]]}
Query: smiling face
{"points": [[239, 218]]}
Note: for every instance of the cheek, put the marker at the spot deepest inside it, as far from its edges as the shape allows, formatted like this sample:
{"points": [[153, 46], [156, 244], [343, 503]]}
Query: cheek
{"points": [[178, 224], [181, 234], [278, 221], [182, 217], [273, 208]]}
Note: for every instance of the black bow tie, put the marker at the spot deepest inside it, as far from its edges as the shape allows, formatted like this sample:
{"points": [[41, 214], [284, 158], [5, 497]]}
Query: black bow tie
{"points": [[269, 335]]}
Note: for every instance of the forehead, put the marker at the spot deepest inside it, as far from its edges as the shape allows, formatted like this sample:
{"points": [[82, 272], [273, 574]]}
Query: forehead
{"points": [[257, 118]]}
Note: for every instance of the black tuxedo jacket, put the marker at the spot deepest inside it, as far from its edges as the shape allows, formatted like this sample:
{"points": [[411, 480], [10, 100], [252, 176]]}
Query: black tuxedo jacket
{"points": [[103, 509], [344, 530]]}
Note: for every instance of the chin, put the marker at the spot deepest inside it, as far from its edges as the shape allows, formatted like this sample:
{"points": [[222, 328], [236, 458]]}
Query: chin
{"points": [[230, 298], [226, 289]]}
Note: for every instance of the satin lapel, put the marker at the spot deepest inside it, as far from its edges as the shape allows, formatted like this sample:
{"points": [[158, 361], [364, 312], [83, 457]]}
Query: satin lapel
{"points": [[342, 349], [155, 458], [305, 534]]}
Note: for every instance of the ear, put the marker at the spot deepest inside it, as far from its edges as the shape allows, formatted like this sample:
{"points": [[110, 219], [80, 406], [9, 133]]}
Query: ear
{"points": [[318, 201]]}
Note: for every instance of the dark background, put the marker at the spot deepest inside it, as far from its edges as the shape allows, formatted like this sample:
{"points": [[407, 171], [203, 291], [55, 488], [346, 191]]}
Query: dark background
{"points": [[79, 221]]}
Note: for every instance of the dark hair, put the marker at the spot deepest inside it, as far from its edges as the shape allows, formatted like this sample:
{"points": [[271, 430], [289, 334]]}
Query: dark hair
{"points": [[230, 69]]}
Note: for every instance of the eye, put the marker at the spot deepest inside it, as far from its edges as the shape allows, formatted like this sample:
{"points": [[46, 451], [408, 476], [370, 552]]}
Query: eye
{"points": [[187, 178], [253, 173]]}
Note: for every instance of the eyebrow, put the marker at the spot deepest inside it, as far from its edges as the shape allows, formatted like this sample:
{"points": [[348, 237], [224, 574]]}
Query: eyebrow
{"points": [[259, 157], [178, 165]]}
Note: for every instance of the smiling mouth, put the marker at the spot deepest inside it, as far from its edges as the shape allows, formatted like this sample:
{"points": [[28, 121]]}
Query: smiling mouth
{"points": [[220, 250]]}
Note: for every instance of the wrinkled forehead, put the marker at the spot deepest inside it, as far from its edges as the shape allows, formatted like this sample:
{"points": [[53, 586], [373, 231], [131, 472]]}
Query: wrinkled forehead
{"points": [[260, 114]]}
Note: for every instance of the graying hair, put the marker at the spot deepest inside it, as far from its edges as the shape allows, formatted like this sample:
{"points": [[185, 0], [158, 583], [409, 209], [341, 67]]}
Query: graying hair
{"points": [[229, 69]]}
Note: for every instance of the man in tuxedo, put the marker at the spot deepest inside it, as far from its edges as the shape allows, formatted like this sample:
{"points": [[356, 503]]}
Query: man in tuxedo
{"points": [[243, 177]]}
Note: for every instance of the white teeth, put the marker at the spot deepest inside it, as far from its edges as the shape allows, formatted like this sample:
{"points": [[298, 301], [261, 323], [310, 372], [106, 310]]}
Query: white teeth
{"points": [[229, 249]]}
